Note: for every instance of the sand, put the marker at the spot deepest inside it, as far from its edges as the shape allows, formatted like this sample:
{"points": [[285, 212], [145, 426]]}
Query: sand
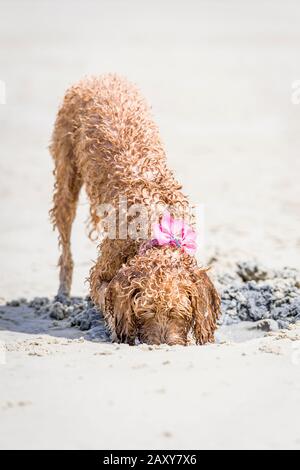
{"points": [[219, 77]]}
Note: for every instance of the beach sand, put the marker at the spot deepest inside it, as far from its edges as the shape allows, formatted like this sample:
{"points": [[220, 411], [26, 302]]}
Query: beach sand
{"points": [[219, 76]]}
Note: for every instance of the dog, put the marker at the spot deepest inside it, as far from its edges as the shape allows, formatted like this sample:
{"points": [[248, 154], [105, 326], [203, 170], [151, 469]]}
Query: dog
{"points": [[148, 289]]}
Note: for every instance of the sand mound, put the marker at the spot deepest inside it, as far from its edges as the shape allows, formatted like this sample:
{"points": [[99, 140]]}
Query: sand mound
{"points": [[256, 294]]}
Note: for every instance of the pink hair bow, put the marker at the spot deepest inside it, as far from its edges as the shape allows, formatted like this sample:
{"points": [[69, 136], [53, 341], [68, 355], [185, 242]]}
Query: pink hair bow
{"points": [[175, 232]]}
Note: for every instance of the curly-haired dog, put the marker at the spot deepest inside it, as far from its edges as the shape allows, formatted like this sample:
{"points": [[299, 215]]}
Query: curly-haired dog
{"points": [[105, 139]]}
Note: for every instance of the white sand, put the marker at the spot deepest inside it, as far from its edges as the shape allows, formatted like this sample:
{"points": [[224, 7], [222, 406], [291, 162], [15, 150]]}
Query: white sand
{"points": [[219, 76]]}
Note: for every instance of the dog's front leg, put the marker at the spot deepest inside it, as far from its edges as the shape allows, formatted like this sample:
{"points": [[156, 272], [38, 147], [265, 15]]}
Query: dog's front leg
{"points": [[101, 295]]}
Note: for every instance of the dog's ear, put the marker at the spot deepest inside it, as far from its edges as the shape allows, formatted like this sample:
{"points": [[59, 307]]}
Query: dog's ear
{"points": [[206, 306], [119, 298]]}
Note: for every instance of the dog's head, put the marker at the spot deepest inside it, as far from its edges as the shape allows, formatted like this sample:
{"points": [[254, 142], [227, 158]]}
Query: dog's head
{"points": [[161, 296]]}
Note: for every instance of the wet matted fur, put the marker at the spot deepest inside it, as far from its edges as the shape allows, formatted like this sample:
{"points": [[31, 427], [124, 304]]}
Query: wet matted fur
{"points": [[105, 139]]}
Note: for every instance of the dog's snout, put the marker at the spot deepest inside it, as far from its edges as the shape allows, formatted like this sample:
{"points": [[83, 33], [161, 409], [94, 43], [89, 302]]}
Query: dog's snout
{"points": [[174, 340], [157, 337]]}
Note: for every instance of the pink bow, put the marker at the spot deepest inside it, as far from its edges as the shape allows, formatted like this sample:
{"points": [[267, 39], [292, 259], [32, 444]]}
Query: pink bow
{"points": [[176, 233]]}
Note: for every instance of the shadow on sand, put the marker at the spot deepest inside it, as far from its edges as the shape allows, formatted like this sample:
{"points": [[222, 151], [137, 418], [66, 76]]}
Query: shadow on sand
{"points": [[77, 319]]}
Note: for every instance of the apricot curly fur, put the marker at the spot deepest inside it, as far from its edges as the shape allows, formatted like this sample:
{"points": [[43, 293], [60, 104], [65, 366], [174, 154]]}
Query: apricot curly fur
{"points": [[105, 139]]}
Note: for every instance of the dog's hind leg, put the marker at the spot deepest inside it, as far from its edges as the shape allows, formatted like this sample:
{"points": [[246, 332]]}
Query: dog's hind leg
{"points": [[66, 192]]}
